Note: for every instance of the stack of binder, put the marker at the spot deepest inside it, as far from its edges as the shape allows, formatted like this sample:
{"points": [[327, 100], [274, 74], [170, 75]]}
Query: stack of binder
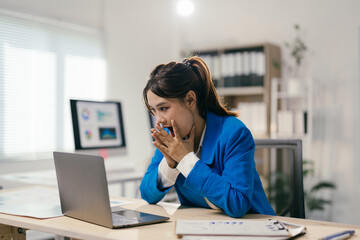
{"points": [[254, 116], [237, 68]]}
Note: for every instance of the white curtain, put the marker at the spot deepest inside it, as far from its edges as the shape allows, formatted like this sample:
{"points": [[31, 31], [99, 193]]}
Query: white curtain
{"points": [[44, 63]]}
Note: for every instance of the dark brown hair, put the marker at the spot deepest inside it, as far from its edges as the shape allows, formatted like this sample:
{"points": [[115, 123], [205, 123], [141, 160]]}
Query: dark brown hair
{"points": [[175, 80]]}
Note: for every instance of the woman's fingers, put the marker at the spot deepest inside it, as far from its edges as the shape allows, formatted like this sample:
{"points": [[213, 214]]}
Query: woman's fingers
{"points": [[162, 134], [161, 147], [175, 129], [158, 139]]}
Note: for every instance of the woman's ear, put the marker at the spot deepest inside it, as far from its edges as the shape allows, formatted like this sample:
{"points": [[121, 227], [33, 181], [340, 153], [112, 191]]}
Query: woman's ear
{"points": [[190, 99]]}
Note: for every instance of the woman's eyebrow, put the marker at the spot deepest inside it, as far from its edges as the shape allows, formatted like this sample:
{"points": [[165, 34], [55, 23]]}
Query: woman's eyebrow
{"points": [[160, 104]]}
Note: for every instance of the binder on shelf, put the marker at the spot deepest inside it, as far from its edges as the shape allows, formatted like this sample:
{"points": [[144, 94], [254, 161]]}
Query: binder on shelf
{"points": [[261, 66], [254, 116], [253, 70], [230, 70], [246, 69], [212, 61], [238, 69], [260, 115], [260, 69], [216, 70]]}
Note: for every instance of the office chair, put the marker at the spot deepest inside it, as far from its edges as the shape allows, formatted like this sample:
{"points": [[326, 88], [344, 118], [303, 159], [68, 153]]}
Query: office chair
{"points": [[280, 165], [282, 161]]}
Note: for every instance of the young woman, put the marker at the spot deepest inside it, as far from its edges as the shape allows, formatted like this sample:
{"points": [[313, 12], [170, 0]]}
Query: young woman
{"points": [[202, 148]]}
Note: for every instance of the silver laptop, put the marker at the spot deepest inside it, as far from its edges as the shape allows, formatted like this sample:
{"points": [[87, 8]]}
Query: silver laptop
{"points": [[84, 193]]}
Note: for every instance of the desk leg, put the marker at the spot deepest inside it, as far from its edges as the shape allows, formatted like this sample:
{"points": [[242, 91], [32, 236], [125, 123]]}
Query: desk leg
{"points": [[18, 233], [12, 233], [5, 232]]}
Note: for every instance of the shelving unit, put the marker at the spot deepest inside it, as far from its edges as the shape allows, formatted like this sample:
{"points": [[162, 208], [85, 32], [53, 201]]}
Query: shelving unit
{"points": [[245, 85], [242, 76], [297, 106]]}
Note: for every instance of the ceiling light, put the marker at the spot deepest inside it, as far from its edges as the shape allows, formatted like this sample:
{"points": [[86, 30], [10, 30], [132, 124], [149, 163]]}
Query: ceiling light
{"points": [[185, 7]]}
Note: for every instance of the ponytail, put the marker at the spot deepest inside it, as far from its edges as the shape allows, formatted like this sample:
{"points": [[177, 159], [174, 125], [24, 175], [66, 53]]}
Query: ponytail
{"points": [[210, 100], [175, 80]]}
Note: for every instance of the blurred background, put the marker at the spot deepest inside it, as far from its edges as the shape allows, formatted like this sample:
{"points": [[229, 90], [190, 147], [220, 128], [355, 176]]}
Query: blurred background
{"points": [[111, 46]]}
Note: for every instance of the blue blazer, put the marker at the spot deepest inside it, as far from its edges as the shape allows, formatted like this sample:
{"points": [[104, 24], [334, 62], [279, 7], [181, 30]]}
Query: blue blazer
{"points": [[225, 174]]}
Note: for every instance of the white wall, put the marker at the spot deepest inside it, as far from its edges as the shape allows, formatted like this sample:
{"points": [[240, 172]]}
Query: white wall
{"points": [[83, 12], [332, 35], [141, 34], [141, 37]]}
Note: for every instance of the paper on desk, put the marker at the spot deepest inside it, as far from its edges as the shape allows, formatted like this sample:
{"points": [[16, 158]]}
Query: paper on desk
{"points": [[170, 208], [37, 202], [231, 238], [236, 229]]}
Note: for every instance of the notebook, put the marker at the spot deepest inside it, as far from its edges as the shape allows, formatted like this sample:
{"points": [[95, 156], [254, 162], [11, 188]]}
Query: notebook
{"points": [[84, 193]]}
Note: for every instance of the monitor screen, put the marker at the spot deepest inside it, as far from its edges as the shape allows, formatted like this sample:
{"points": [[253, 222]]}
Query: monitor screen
{"points": [[97, 125], [152, 120]]}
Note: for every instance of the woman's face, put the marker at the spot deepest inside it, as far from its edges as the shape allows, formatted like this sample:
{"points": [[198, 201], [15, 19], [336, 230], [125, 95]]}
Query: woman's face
{"points": [[166, 109]]}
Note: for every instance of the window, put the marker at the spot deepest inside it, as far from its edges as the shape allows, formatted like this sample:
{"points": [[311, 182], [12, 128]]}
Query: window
{"points": [[44, 63]]}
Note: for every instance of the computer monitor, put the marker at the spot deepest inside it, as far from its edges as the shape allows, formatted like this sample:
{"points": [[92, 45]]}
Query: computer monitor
{"points": [[152, 120], [98, 127]]}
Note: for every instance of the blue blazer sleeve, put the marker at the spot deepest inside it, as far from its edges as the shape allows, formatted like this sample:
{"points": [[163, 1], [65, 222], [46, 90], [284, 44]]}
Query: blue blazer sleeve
{"points": [[232, 188], [148, 187]]}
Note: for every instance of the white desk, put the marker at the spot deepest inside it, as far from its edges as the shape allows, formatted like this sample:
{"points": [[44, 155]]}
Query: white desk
{"points": [[48, 178], [76, 229]]}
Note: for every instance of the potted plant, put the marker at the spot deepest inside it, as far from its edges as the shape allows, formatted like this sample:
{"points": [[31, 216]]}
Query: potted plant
{"points": [[297, 49], [279, 192], [314, 202]]}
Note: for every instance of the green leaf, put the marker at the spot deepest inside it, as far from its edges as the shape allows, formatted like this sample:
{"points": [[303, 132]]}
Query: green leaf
{"points": [[275, 64], [307, 172], [317, 204], [322, 185]]}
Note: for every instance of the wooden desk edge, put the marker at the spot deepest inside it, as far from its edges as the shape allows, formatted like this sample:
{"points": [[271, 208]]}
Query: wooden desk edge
{"points": [[54, 225]]}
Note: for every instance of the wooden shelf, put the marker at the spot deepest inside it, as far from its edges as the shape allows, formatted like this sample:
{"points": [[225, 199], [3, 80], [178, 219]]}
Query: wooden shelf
{"points": [[230, 91], [295, 110], [242, 76], [290, 96]]}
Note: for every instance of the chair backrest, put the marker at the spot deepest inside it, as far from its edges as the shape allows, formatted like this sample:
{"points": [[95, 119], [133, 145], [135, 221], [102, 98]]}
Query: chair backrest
{"points": [[277, 161]]}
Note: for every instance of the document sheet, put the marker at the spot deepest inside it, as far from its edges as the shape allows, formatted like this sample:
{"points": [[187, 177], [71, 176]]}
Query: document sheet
{"points": [[245, 227]]}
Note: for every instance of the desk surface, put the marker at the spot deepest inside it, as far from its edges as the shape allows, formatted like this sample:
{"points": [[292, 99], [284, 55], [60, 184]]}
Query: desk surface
{"points": [[81, 230]]}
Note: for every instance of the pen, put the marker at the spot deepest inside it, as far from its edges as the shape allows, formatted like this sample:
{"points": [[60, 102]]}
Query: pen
{"points": [[339, 235]]}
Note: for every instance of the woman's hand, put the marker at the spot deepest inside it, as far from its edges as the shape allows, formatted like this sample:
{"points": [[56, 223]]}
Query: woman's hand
{"points": [[173, 148]]}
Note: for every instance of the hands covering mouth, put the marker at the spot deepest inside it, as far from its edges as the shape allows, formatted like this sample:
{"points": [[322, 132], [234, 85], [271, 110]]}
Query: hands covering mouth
{"points": [[170, 129], [172, 145]]}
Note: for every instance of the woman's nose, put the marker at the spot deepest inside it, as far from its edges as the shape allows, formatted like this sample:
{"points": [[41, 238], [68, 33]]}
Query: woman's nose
{"points": [[160, 120]]}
